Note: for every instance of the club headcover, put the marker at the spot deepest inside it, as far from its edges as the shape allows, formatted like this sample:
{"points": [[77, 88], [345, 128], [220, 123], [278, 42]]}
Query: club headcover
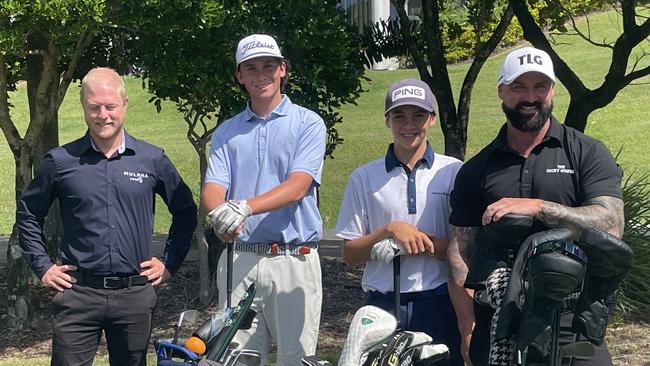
{"points": [[370, 326]]}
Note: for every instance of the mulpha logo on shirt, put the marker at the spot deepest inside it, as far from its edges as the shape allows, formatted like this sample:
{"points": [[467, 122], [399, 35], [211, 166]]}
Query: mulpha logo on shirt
{"points": [[408, 92], [136, 176], [561, 169]]}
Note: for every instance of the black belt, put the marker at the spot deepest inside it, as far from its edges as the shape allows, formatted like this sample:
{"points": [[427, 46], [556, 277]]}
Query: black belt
{"points": [[109, 282]]}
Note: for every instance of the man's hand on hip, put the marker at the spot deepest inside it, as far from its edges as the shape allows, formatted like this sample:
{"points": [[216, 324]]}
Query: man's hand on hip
{"points": [[155, 271], [58, 278], [228, 217], [386, 250]]}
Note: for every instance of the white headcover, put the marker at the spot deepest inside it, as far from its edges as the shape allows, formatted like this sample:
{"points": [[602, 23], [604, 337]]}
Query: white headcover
{"points": [[370, 327]]}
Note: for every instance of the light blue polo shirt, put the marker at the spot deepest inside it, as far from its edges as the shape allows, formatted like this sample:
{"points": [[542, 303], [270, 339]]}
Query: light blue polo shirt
{"points": [[251, 155]]}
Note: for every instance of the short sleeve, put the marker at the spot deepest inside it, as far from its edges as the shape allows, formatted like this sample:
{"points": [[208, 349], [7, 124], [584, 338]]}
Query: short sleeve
{"points": [[310, 150], [465, 200], [599, 174], [218, 170], [352, 222]]}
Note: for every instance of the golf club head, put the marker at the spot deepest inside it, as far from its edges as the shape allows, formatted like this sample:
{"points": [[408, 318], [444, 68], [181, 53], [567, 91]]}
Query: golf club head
{"points": [[242, 357], [188, 316], [429, 354], [419, 338], [370, 326], [315, 361]]}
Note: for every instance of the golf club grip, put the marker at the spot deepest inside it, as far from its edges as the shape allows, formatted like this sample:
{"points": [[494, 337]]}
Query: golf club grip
{"points": [[231, 249], [396, 288]]}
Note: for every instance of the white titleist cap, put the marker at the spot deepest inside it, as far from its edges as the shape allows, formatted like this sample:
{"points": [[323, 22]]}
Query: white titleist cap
{"points": [[523, 60], [257, 45], [409, 92]]}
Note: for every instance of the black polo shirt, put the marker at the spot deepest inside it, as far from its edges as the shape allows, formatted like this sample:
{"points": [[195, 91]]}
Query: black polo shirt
{"points": [[107, 207], [567, 167]]}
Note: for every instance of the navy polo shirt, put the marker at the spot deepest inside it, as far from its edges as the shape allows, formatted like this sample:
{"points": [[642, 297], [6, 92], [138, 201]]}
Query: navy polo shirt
{"points": [[107, 207], [567, 167]]}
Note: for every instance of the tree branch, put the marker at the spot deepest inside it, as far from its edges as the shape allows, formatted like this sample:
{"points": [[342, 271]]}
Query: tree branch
{"points": [[637, 74], [83, 42], [578, 32], [8, 128], [534, 34], [435, 47], [481, 55], [629, 15], [405, 29]]}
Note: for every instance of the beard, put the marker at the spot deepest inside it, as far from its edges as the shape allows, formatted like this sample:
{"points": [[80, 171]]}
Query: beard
{"points": [[527, 123]]}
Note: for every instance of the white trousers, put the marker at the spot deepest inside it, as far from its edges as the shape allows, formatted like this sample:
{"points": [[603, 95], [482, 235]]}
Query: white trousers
{"points": [[288, 302]]}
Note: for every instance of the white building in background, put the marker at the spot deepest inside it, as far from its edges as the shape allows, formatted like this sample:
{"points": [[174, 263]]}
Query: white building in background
{"points": [[365, 12]]}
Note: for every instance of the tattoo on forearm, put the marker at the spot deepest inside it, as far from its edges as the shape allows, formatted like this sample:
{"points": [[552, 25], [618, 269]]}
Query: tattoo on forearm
{"points": [[603, 212], [459, 252]]}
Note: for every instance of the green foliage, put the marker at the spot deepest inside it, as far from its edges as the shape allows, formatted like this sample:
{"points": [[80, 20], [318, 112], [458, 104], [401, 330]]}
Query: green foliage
{"points": [[466, 25], [191, 61], [59, 22], [554, 14], [635, 292]]}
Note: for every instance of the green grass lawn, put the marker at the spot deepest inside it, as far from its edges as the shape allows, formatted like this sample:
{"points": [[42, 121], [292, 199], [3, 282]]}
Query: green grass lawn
{"points": [[621, 124]]}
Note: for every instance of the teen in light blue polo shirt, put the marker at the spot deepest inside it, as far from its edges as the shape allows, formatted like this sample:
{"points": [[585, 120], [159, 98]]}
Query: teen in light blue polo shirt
{"points": [[251, 155], [260, 192]]}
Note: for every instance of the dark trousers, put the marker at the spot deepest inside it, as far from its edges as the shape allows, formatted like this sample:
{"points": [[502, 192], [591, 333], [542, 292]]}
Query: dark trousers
{"points": [[82, 313], [430, 312], [480, 347]]}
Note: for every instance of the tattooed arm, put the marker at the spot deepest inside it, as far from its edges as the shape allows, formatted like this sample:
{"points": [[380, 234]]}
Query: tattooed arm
{"points": [[458, 256], [603, 212]]}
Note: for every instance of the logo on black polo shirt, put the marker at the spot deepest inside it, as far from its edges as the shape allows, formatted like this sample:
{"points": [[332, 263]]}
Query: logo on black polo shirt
{"points": [[136, 176], [561, 169]]}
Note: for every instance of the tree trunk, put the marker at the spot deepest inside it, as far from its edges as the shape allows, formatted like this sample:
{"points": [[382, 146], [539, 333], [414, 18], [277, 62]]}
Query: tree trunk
{"points": [[48, 136], [205, 276], [18, 273]]}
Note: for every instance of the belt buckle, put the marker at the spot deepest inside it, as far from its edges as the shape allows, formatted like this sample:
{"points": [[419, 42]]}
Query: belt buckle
{"points": [[106, 285]]}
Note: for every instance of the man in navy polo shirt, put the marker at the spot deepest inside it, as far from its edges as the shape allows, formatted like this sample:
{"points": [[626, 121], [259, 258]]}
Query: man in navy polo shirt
{"points": [[106, 183], [400, 202], [260, 192], [535, 167]]}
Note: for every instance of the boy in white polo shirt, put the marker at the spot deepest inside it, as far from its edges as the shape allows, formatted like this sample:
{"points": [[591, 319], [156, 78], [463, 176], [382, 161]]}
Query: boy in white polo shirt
{"points": [[401, 202]]}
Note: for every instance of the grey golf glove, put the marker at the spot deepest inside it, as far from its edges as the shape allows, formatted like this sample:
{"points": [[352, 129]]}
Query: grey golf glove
{"points": [[386, 250], [227, 217]]}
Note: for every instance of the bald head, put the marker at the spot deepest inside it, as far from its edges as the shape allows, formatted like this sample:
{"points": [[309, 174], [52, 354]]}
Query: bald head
{"points": [[102, 77]]}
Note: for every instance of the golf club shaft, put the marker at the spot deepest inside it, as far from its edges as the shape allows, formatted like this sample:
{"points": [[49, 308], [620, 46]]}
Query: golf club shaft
{"points": [[396, 288], [231, 249]]}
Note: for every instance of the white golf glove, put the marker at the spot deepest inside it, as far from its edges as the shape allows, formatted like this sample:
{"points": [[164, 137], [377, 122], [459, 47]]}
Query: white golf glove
{"points": [[386, 250], [227, 217]]}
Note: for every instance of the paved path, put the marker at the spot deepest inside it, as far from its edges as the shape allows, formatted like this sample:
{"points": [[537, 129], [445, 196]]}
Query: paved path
{"points": [[330, 246]]}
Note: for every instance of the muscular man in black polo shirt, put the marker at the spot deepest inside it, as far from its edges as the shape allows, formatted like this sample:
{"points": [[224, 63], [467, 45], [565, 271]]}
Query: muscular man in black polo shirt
{"points": [[536, 167], [106, 183]]}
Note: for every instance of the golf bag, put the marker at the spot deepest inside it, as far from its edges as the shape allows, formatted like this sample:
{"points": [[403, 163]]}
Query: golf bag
{"points": [[217, 333], [550, 270]]}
